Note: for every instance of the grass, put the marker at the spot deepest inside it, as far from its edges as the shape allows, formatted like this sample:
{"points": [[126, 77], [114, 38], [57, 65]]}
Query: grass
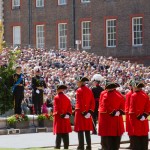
{"points": [[25, 148]]}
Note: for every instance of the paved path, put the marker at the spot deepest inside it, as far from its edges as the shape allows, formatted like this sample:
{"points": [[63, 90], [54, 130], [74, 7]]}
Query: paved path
{"points": [[41, 140]]}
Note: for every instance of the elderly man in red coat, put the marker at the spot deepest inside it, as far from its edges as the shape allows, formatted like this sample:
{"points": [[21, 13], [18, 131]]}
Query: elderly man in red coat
{"points": [[138, 112], [110, 122], [127, 105], [62, 113], [84, 108]]}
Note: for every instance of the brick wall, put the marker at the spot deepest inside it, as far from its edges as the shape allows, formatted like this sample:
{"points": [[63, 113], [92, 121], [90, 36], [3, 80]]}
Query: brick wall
{"points": [[96, 11]]}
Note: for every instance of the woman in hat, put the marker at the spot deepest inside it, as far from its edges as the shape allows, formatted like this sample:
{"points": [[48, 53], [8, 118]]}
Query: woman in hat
{"points": [[62, 112], [138, 112], [110, 122], [84, 108]]}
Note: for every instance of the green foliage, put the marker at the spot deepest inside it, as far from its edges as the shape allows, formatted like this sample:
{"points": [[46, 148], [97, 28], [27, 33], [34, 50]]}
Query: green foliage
{"points": [[17, 118], [6, 99], [45, 117]]}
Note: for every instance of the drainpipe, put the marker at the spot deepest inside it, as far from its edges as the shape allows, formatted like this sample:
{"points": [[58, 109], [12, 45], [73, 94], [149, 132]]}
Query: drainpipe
{"points": [[74, 24], [30, 20]]}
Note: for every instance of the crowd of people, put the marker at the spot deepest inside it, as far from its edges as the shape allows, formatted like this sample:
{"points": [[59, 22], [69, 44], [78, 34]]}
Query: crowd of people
{"points": [[96, 87], [63, 66]]}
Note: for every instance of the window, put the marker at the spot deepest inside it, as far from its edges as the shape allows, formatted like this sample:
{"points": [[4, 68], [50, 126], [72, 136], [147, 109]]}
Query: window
{"points": [[62, 2], [111, 33], [62, 35], [40, 36], [39, 3], [16, 35], [85, 1], [86, 34], [137, 31], [15, 4]]}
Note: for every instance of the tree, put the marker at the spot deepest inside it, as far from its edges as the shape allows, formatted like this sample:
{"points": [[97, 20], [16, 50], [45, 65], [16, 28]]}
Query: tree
{"points": [[6, 71]]}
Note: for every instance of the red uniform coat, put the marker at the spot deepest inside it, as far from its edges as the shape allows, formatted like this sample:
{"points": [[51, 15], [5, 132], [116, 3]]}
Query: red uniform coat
{"points": [[139, 104], [62, 105], [107, 124], [84, 102], [127, 105]]}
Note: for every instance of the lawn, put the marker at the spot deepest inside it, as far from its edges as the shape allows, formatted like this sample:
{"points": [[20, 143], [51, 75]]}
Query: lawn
{"points": [[26, 149]]}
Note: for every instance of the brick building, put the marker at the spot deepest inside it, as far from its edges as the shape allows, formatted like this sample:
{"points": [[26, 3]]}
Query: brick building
{"points": [[1, 10], [119, 28]]}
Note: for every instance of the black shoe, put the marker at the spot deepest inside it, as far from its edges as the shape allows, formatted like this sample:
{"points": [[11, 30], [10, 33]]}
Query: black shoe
{"points": [[94, 133], [88, 148], [79, 148], [56, 147], [128, 147]]}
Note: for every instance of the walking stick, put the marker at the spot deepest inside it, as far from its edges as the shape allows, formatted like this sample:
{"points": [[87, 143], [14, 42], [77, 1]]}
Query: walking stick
{"points": [[93, 123]]}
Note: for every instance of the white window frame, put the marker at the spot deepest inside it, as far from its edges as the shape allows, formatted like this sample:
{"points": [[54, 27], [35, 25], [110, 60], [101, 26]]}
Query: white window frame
{"points": [[38, 3], [85, 1], [60, 2], [40, 38], [62, 37], [16, 37], [88, 46], [135, 32], [15, 5], [111, 33]]}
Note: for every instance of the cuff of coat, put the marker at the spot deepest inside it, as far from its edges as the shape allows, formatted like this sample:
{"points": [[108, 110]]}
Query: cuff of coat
{"points": [[113, 113], [68, 113], [145, 114], [121, 112]]}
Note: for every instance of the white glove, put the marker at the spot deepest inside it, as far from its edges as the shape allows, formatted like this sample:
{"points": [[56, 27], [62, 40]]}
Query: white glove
{"points": [[88, 115], [117, 113], [67, 117], [143, 118], [37, 91]]}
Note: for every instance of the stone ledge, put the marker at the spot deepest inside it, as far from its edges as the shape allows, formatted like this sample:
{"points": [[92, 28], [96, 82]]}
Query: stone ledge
{"points": [[24, 131]]}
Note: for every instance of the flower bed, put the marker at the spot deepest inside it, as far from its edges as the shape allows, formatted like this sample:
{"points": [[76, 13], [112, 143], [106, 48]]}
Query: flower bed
{"points": [[18, 121]]}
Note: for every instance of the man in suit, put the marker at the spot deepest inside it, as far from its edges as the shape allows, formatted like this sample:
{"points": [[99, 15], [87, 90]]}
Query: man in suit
{"points": [[17, 82], [38, 85]]}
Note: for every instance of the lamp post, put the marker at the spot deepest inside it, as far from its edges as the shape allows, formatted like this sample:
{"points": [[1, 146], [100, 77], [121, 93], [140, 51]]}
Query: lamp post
{"points": [[1, 36]]}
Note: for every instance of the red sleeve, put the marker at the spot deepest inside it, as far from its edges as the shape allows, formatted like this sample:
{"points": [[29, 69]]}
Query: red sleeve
{"points": [[132, 105], [147, 106], [79, 104], [122, 106], [56, 106], [106, 108], [127, 103]]}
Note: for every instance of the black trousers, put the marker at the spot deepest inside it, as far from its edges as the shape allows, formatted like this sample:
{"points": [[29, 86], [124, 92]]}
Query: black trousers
{"points": [[139, 142], [131, 141], [65, 138], [38, 102], [95, 116], [18, 96], [110, 142], [81, 140]]}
